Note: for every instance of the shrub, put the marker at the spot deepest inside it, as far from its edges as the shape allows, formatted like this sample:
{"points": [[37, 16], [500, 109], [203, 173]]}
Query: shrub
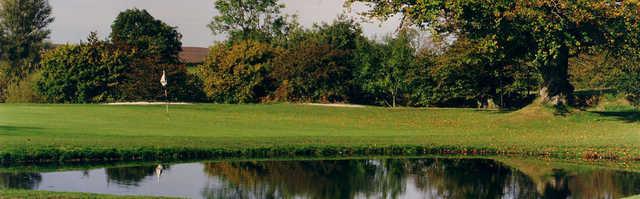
{"points": [[4, 80], [24, 91], [420, 80], [388, 79], [238, 73], [83, 73], [98, 71], [628, 83], [472, 73], [136, 28], [311, 71], [142, 82]]}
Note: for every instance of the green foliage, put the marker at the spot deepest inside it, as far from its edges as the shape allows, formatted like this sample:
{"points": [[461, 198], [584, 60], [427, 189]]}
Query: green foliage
{"points": [[544, 32], [23, 29], [137, 29], [472, 74], [24, 91], [342, 34], [4, 79], [463, 75], [311, 71], [128, 68], [99, 71], [238, 73], [319, 65], [387, 76], [157, 46], [420, 79], [85, 73], [259, 20], [594, 70], [629, 82], [142, 82]]}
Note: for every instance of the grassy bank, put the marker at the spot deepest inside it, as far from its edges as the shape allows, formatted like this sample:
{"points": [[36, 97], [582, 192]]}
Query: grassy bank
{"points": [[11, 194], [31, 133]]}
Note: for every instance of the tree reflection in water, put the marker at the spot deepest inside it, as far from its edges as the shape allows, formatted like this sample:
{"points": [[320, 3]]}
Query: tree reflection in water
{"points": [[313, 179], [432, 178], [19, 180], [386, 178], [130, 176]]}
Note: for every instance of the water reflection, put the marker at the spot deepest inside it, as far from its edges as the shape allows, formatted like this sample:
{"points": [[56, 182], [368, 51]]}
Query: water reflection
{"points": [[432, 178], [129, 176], [386, 178], [132, 176], [20, 180]]}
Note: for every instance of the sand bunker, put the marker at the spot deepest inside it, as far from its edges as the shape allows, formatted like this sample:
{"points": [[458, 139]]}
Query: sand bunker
{"points": [[336, 105], [148, 103]]}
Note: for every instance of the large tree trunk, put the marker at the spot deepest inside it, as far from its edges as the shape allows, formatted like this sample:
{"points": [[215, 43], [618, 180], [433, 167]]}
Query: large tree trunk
{"points": [[556, 88]]}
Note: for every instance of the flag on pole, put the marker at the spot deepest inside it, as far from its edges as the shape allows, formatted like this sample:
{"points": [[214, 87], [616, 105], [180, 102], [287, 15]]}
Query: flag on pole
{"points": [[163, 79]]}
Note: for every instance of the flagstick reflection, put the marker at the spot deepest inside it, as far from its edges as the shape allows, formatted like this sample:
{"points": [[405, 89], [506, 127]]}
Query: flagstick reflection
{"points": [[159, 170]]}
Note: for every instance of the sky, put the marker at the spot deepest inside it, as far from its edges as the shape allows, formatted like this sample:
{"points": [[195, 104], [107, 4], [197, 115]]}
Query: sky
{"points": [[74, 19]]}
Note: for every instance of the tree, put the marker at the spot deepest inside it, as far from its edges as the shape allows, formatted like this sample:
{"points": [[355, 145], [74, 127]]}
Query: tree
{"points": [[388, 79], [98, 71], [465, 75], [343, 35], [86, 73], [23, 29], [628, 83], [627, 78], [250, 19], [157, 47], [420, 80], [136, 28], [311, 71], [238, 73], [547, 32]]}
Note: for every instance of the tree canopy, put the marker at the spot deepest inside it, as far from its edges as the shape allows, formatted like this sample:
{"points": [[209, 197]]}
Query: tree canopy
{"points": [[89, 72], [23, 29], [390, 79], [249, 19], [547, 32], [138, 29], [237, 73]]}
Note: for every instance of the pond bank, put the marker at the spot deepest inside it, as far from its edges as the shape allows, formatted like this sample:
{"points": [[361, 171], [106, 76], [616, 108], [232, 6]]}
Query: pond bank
{"points": [[37, 133], [88, 155]]}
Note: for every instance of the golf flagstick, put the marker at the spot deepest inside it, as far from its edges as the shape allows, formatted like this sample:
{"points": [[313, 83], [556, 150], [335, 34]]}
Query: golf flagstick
{"points": [[163, 81]]}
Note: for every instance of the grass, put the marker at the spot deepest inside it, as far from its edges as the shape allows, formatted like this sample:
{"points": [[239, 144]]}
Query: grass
{"points": [[34, 133], [11, 194]]}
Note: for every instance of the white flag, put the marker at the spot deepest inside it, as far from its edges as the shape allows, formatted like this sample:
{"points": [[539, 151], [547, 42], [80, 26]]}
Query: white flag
{"points": [[163, 79]]}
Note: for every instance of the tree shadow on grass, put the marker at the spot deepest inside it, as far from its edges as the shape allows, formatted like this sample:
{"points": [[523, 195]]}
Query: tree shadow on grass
{"points": [[495, 111], [5, 130], [627, 116]]}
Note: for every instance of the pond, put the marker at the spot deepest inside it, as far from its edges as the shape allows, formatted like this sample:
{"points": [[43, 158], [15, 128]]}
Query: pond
{"points": [[356, 178]]}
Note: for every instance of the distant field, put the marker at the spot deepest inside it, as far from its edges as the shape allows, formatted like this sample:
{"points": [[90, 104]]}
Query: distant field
{"points": [[193, 54], [71, 132]]}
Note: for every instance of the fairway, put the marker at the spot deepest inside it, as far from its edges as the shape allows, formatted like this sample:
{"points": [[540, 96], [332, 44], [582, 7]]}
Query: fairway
{"points": [[27, 129]]}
